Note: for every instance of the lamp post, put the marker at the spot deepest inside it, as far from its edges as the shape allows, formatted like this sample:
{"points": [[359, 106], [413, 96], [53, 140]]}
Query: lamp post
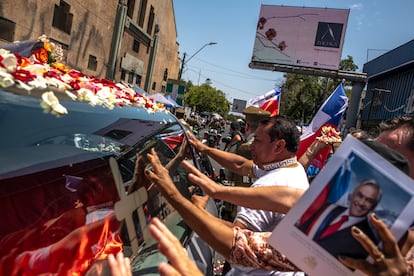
{"points": [[184, 62]]}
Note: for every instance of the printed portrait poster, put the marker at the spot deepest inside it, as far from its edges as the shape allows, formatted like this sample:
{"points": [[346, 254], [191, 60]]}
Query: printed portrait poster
{"points": [[355, 182]]}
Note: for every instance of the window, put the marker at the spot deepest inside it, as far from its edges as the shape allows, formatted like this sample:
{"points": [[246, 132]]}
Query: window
{"points": [[142, 10], [135, 46], [150, 21], [163, 88], [138, 79], [62, 18], [131, 77], [165, 77], [154, 85], [7, 29], [123, 74], [131, 5], [92, 63]]}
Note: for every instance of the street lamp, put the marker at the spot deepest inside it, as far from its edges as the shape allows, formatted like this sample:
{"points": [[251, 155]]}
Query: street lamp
{"points": [[185, 61]]}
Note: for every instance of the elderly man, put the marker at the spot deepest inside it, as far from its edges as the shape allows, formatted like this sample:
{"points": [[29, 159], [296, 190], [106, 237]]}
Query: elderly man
{"points": [[330, 226]]}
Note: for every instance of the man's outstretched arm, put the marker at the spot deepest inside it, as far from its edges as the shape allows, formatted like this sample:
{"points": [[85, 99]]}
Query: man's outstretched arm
{"points": [[272, 198], [233, 162], [218, 235], [228, 241]]}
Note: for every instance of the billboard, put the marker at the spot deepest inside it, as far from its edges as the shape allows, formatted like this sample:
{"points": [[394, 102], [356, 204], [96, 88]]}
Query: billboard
{"points": [[238, 105], [300, 36]]}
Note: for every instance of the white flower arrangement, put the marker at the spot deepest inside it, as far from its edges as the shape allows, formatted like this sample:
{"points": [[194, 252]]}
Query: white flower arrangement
{"points": [[43, 71]]}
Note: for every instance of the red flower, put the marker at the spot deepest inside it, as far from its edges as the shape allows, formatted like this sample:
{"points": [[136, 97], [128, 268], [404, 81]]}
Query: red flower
{"points": [[23, 75], [51, 74], [75, 84], [107, 82], [22, 61], [75, 74]]}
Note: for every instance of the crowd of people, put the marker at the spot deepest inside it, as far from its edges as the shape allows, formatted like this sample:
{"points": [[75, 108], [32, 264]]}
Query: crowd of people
{"points": [[278, 179]]}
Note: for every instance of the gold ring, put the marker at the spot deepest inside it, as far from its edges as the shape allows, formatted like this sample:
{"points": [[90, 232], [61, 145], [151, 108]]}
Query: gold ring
{"points": [[380, 258]]}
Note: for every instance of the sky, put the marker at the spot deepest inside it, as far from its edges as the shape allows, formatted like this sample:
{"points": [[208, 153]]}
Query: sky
{"points": [[374, 27]]}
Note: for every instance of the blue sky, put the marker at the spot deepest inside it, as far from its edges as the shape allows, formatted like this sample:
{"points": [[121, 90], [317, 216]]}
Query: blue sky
{"points": [[373, 26]]}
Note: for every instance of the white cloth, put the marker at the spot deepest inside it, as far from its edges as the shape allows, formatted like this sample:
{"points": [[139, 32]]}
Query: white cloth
{"points": [[266, 221]]}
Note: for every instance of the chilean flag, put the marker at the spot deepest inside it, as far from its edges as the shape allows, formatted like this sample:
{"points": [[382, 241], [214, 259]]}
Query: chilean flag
{"points": [[331, 193], [269, 101], [329, 114]]}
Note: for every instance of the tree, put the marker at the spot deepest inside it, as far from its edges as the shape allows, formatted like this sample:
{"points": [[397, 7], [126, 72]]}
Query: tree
{"points": [[303, 95], [348, 64], [206, 98]]}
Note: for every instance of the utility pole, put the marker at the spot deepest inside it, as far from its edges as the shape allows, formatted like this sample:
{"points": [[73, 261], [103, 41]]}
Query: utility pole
{"points": [[182, 66], [185, 61]]}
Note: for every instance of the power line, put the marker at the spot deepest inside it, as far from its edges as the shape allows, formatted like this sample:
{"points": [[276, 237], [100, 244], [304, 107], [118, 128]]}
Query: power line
{"points": [[249, 93], [244, 75]]}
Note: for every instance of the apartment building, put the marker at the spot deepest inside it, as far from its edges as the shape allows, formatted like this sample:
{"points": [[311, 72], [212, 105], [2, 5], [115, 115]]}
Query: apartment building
{"points": [[121, 40]]}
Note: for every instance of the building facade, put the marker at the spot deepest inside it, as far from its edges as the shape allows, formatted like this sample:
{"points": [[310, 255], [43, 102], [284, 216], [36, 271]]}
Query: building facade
{"points": [[134, 41], [390, 86]]}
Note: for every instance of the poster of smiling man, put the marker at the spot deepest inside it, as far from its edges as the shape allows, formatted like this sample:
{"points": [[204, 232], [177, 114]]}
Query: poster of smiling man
{"points": [[355, 183]]}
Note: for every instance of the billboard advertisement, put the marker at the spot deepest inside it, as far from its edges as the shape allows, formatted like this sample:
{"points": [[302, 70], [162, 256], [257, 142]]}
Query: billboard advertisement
{"points": [[238, 105], [300, 36]]}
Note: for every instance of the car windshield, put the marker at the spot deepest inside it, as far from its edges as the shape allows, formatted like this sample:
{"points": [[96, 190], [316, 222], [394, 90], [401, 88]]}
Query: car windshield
{"points": [[33, 141]]}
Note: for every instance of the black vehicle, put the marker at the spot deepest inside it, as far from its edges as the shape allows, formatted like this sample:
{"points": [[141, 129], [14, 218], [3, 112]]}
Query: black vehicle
{"points": [[73, 180]]}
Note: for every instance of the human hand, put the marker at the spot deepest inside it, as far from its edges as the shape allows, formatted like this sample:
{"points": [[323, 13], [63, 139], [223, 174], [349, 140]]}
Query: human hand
{"points": [[160, 176], [138, 179], [182, 153], [196, 142], [388, 262], [119, 265], [203, 181], [170, 247]]}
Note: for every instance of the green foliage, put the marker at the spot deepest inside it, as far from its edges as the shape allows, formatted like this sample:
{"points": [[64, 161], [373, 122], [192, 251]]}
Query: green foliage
{"points": [[348, 64], [303, 95], [206, 98]]}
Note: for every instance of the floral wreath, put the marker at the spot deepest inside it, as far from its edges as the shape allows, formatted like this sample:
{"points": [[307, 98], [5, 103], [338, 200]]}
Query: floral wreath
{"points": [[43, 70], [329, 135]]}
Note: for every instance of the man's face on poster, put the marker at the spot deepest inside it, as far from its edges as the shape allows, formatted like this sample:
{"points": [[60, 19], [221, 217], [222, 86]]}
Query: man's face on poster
{"points": [[363, 200]]}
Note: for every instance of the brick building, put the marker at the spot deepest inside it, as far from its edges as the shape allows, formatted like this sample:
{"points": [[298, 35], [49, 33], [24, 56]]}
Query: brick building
{"points": [[129, 40]]}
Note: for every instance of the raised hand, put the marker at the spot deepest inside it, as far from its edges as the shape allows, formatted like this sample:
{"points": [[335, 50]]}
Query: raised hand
{"points": [[389, 261]]}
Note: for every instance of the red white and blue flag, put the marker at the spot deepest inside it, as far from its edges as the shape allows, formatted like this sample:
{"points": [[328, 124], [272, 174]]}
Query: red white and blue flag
{"points": [[336, 188], [329, 114], [269, 101]]}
